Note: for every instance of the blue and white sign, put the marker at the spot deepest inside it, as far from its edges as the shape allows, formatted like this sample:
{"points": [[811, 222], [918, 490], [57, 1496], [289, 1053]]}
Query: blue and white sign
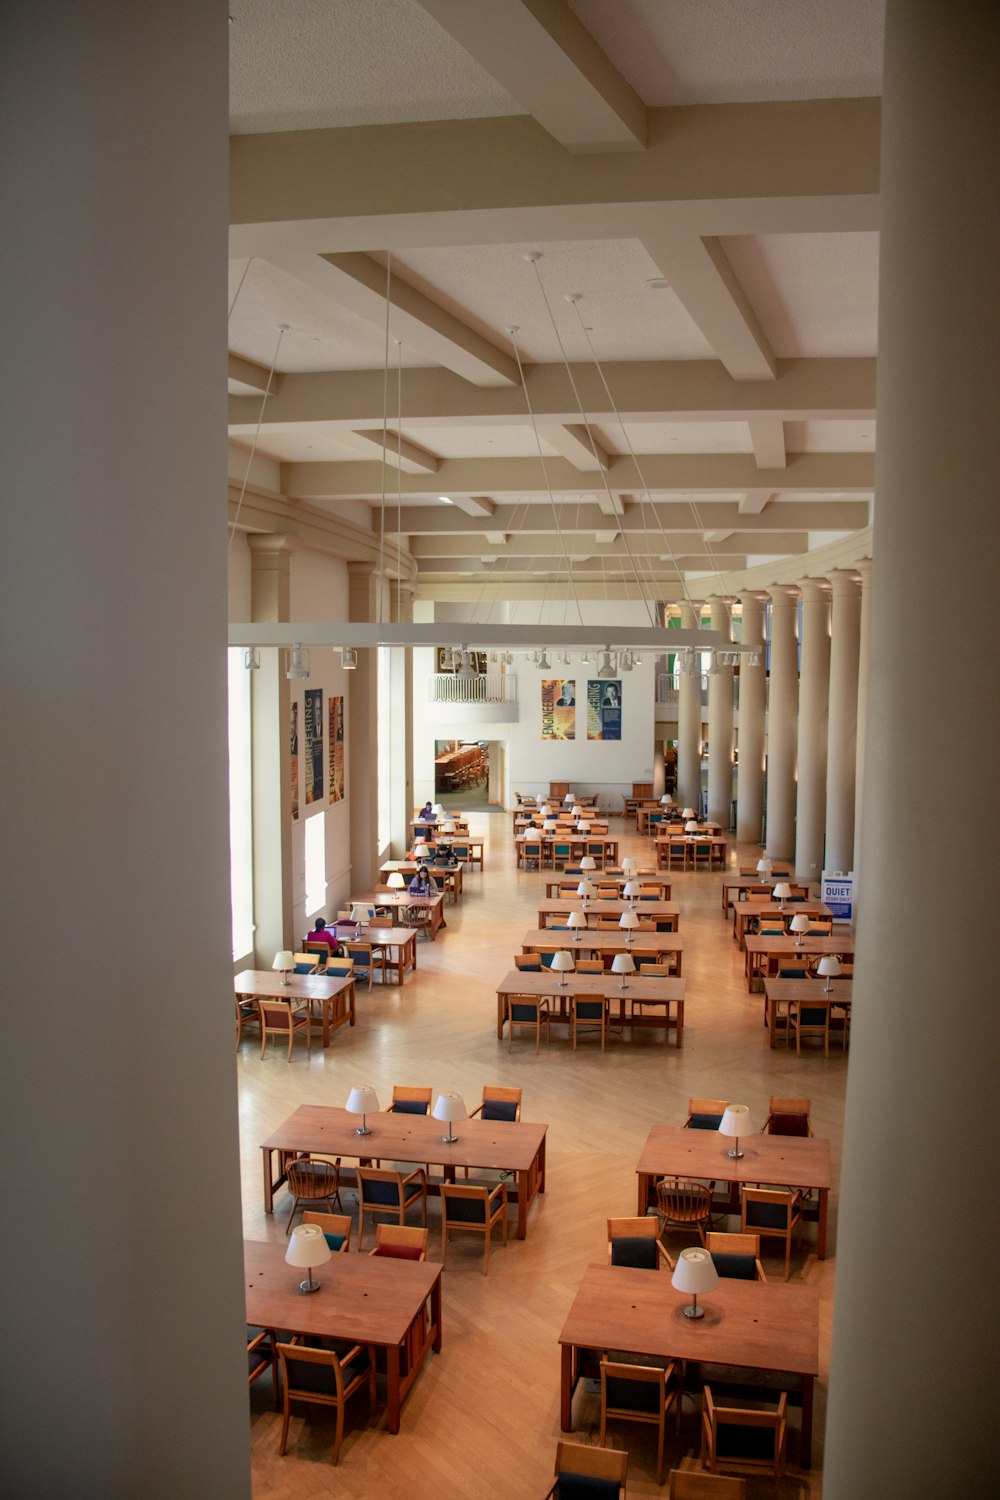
{"points": [[838, 893]]}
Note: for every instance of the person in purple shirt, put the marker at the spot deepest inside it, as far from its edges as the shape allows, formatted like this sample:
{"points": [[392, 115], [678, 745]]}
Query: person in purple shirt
{"points": [[323, 934]]}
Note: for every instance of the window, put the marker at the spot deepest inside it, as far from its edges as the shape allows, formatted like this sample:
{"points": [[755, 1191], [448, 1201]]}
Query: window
{"points": [[315, 847]]}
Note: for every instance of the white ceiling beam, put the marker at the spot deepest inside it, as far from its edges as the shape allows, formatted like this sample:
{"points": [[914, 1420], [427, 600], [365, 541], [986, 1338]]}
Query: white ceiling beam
{"points": [[653, 544], [753, 503], [703, 280], [554, 563], [542, 54], [579, 443], [772, 168], [611, 504], [496, 538], [670, 515], [249, 379], [711, 537], [605, 538], [359, 283], [768, 437], [401, 454], [474, 505]]}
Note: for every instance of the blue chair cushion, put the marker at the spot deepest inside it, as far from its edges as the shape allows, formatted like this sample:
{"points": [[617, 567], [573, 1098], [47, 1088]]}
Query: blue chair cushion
{"points": [[335, 1241], [637, 1250], [744, 1442], [305, 968], [499, 1109], [466, 1210], [380, 1192], [633, 1395], [589, 1010], [586, 1487], [812, 1016], [791, 973], [704, 1122], [320, 1378], [408, 1107], [530, 968], [735, 1267], [546, 959], [522, 1011], [767, 1215]]}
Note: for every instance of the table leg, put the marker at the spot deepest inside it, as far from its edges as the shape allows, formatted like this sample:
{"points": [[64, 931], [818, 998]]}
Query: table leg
{"points": [[680, 1022], [392, 1396], [501, 1010], [350, 1004], [805, 1456], [642, 1201], [821, 1229], [523, 1180], [326, 1005], [772, 1021], [566, 1389], [268, 1184], [678, 958], [436, 1315]]}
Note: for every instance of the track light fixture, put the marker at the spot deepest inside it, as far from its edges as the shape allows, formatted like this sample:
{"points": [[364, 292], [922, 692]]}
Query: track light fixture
{"points": [[297, 662], [607, 667], [348, 658], [251, 659]]}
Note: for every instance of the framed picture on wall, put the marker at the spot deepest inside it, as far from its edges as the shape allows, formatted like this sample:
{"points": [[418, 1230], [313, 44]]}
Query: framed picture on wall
{"points": [[604, 708]]}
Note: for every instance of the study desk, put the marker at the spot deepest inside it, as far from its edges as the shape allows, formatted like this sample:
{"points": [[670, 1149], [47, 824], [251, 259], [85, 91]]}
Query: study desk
{"points": [[780, 993], [734, 885], [772, 913], [573, 877], [603, 846], [762, 950], [447, 877], [786, 1160], [660, 912], [693, 845], [398, 945], [487, 1145], [402, 901], [471, 850], [434, 826], [665, 993], [334, 995], [667, 946], [753, 1324], [365, 1299]]}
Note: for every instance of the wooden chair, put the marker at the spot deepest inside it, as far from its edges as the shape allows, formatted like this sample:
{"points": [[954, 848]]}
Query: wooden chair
{"points": [[589, 1010], [531, 854], [640, 1393], [808, 1018], [773, 1213], [323, 952], [636, 1242], [247, 1014], [400, 1242], [385, 1194], [687, 1484], [498, 1103], [677, 853], [306, 963], [531, 963], [262, 1356], [681, 1204], [787, 1116], [736, 1256], [410, 1101], [602, 1471], [340, 968], [365, 961], [528, 1010], [705, 1114], [281, 1018], [744, 1437], [589, 966], [475, 1207], [336, 1229], [311, 1179], [323, 1378]]}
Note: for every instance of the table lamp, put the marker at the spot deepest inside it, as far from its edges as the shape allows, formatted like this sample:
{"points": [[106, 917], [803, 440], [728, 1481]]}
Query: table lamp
{"points": [[307, 1248], [577, 810], [438, 809], [545, 810], [395, 881], [586, 889], [695, 1272], [448, 827], [630, 890], [568, 800], [421, 851], [799, 924], [736, 1122], [690, 826], [782, 890], [581, 826], [362, 1101], [628, 921], [576, 920], [666, 800], [283, 964], [623, 963], [828, 968], [563, 962], [588, 862], [688, 812], [764, 867], [550, 825], [628, 863], [361, 912], [450, 1107]]}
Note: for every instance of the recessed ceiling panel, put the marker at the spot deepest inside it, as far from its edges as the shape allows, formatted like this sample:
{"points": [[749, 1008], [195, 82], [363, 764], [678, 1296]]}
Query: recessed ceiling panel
{"points": [[816, 295], [679, 437], [312, 443], [477, 442], [830, 437]]}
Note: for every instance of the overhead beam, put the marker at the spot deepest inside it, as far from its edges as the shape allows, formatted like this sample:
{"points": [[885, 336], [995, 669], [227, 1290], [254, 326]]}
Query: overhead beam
{"points": [[703, 280], [398, 452], [542, 54], [578, 442], [649, 544], [768, 437], [251, 378], [475, 505], [610, 504], [670, 515], [753, 504], [709, 169], [644, 391]]}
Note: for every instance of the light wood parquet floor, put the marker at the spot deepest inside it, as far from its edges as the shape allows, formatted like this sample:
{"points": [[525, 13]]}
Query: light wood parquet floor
{"points": [[482, 1419]]}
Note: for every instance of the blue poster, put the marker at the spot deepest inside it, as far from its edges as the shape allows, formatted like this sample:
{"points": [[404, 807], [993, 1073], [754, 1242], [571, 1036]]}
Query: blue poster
{"points": [[313, 726], [604, 709]]}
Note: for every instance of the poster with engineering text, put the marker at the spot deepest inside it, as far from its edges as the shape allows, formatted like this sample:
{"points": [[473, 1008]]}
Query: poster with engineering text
{"points": [[558, 709], [337, 750], [604, 709], [294, 746], [313, 727]]}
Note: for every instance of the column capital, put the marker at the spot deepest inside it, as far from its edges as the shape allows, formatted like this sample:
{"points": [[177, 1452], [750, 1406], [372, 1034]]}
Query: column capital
{"points": [[843, 582], [784, 595], [864, 568], [814, 588], [271, 543]]}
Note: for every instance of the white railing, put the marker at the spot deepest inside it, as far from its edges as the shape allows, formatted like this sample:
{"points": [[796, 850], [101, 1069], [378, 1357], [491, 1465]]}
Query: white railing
{"points": [[487, 687]]}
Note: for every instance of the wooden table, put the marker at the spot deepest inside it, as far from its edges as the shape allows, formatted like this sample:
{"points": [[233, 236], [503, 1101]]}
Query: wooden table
{"points": [[668, 946], [403, 901], [779, 993], [447, 877], [756, 1325], [746, 911], [433, 826], [398, 941], [365, 1299], [738, 883], [762, 949], [574, 875], [656, 990], [579, 844], [660, 912], [712, 846], [474, 847], [334, 996], [791, 1161], [487, 1145]]}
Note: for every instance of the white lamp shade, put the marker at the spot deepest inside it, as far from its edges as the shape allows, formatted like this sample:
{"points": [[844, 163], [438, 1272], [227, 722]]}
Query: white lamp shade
{"points": [[360, 912], [581, 827], [568, 799], [307, 1246], [284, 961], [545, 810], [448, 827], [563, 962], [764, 865], [588, 862], [395, 881], [628, 863], [576, 919], [782, 890], [577, 810], [690, 826], [438, 809], [623, 963], [666, 800], [800, 923], [695, 1271], [586, 888], [362, 1101], [450, 1107], [828, 966], [689, 812], [421, 850], [550, 825], [630, 888], [628, 919], [533, 836], [736, 1121]]}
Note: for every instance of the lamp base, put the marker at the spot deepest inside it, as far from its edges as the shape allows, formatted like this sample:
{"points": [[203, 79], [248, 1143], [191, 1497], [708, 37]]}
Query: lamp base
{"points": [[449, 1140], [623, 985], [694, 1311], [308, 1286], [735, 1154], [363, 1130]]}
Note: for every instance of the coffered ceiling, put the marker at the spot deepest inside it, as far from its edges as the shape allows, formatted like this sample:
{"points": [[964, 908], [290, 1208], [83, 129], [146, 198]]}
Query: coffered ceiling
{"points": [[600, 273]]}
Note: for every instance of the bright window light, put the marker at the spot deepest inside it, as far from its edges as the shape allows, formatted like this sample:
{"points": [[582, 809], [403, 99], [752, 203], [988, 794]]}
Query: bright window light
{"points": [[240, 806], [315, 855]]}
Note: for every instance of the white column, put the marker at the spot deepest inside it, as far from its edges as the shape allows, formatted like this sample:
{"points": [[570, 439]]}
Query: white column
{"points": [[401, 710], [689, 722], [270, 603], [720, 725], [750, 775], [843, 737], [865, 569], [364, 585], [814, 687], [913, 1365], [781, 724], [123, 1310]]}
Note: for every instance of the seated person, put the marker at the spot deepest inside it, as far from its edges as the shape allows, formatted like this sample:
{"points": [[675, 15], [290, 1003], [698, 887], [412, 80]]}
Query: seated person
{"points": [[323, 934], [427, 814], [444, 854], [421, 884]]}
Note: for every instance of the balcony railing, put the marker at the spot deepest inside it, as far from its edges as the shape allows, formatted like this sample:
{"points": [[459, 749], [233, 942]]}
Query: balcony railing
{"points": [[486, 687]]}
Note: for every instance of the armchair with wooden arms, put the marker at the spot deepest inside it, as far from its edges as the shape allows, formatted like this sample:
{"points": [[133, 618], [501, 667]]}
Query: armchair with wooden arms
{"points": [[744, 1437], [787, 1115], [498, 1103], [636, 1242], [736, 1257], [528, 1011], [640, 1393], [284, 1019], [322, 951], [306, 963], [774, 1213], [336, 1229], [585, 1472], [476, 1207], [705, 1114], [385, 1194], [407, 1100], [688, 1484], [324, 1378], [400, 1242]]}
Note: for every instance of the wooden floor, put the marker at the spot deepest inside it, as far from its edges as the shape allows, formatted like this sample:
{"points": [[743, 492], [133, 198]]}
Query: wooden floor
{"points": [[482, 1419]]}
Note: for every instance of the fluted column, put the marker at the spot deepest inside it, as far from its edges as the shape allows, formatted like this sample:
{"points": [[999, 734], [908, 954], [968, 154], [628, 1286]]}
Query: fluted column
{"points": [[865, 569], [842, 746], [689, 722], [912, 1408], [364, 588], [720, 725], [750, 776], [781, 724], [814, 687], [401, 729], [270, 703]]}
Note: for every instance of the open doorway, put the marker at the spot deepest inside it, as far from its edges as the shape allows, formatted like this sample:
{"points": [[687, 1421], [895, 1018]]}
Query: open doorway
{"points": [[468, 775]]}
